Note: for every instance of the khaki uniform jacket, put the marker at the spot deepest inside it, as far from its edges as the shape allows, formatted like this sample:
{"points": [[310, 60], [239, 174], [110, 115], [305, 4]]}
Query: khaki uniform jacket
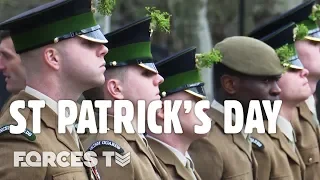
{"points": [[308, 138], [48, 140], [7, 104], [143, 163], [171, 162], [276, 157], [222, 156]]}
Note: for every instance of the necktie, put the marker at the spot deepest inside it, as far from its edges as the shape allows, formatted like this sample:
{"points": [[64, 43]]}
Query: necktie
{"points": [[190, 168]]}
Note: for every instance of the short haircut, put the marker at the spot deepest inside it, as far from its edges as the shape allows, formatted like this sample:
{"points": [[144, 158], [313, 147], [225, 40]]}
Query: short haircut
{"points": [[4, 34]]}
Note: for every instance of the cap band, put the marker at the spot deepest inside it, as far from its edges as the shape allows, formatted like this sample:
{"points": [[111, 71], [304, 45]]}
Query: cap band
{"points": [[180, 80], [47, 33], [195, 89], [140, 50]]}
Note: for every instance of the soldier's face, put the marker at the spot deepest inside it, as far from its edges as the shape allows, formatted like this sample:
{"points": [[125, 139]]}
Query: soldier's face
{"points": [[309, 54], [11, 67], [84, 64], [294, 86], [141, 84], [257, 88]]}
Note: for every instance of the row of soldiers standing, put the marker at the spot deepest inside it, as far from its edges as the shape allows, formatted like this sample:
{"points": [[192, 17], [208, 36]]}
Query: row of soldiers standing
{"points": [[57, 51]]}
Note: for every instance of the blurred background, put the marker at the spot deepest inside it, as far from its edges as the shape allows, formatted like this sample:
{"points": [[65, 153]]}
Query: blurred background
{"points": [[200, 23]]}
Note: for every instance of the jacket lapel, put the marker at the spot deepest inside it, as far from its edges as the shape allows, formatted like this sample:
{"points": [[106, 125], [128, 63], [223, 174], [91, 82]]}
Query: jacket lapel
{"points": [[50, 119], [285, 146], [254, 166], [306, 115], [238, 139], [169, 158], [134, 138]]}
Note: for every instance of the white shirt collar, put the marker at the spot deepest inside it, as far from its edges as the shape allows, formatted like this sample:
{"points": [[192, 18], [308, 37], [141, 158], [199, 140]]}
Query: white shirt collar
{"points": [[219, 107], [216, 105], [49, 102], [178, 154], [311, 104], [52, 104], [286, 128]]}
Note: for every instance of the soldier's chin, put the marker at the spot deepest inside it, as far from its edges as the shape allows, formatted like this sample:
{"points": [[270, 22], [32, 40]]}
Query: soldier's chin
{"points": [[9, 87]]}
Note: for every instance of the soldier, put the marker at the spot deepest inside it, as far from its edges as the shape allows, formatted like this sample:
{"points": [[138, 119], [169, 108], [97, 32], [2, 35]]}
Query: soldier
{"points": [[61, 62], [11, 67], [249, 69], [306, 126], [276, 153], [182, 82], [131, 75]]}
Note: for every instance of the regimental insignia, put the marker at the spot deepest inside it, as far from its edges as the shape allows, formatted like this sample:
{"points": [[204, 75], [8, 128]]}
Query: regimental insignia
{"points": [[257, 143], [105, 145], [27, 133]]}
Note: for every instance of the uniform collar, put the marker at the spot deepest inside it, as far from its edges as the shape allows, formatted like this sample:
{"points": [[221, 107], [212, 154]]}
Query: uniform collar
{"points": [[311, 104], [182, 157], [219, 107], [52, 104], [286, 128]]}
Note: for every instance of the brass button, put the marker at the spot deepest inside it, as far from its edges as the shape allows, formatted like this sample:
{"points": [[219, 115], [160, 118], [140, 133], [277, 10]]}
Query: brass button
{"points": [[113, 63], [310, 159], [56, 40]]}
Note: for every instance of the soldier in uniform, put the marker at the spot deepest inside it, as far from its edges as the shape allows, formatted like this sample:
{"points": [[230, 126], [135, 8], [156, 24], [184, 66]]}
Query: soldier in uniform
{"points": [[62, 49], [11, 67], [131, 75], [276, 153], [249, 69], [306, 123], [182, 82]]}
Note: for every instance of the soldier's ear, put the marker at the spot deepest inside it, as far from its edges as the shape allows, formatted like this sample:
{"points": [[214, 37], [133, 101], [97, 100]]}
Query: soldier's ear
{"points": [[114, 88], [229, 83], [52, 58]]}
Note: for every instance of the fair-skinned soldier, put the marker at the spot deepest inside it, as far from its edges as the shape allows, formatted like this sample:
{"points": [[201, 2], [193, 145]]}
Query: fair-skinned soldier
{"points": [[306, 123], [11, 67], [131, 75], [276, 153], [61, 61], [181, 72]]}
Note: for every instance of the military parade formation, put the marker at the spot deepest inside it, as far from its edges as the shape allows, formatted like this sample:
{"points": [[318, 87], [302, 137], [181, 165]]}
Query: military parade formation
{"points": [[57, 51]]}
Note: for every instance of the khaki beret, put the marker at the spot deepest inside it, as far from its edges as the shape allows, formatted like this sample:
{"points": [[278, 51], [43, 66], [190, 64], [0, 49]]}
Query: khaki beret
{"points": [[249, 56]]}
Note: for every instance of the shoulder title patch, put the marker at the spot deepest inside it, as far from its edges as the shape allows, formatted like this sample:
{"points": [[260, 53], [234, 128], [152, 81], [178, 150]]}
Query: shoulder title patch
{"points": [[27, 133], [105, 145], [257, 143]]}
